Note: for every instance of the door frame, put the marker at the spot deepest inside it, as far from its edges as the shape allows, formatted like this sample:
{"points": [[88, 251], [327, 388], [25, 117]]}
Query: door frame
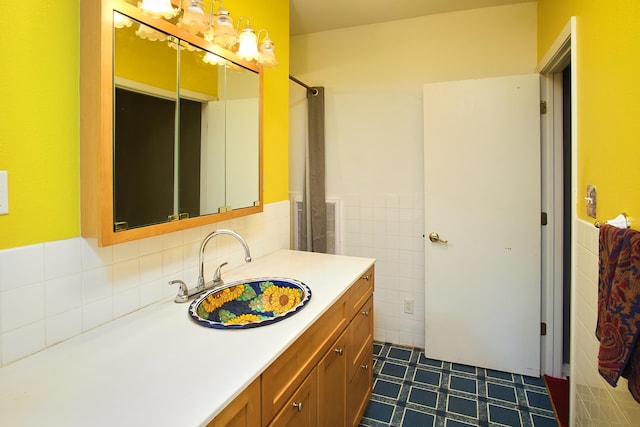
{"points": [[560, 54]]}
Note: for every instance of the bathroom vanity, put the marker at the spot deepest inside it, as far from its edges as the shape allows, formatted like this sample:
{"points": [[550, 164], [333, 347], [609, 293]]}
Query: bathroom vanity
{"points": [[158, 367]]}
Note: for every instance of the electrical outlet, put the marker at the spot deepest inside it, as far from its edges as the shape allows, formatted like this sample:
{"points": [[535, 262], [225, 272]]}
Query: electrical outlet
{"points": [[408, 306]]}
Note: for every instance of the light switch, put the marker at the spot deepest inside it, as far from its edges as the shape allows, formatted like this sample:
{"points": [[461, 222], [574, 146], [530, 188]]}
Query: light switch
{"points": [[4, 192]]}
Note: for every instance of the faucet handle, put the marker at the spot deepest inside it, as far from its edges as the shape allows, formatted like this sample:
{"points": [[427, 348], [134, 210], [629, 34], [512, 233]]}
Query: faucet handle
{"points": [[183, 291], [217, 277]]}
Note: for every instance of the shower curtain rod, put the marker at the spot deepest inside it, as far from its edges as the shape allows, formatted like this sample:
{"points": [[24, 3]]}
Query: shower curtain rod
{"points": [[313, 91]]}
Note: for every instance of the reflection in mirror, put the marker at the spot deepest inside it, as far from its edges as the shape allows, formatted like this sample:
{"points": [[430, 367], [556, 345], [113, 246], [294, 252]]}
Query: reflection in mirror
{"points": [[176, 160], [242, 132], [201, 185], [144, 126]]}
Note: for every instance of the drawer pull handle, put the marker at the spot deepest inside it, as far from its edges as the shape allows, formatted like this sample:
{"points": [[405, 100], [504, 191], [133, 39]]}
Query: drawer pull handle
{"points": [[339, 351], [366, 277], [365, 367], [365, 313], [298, 406]]}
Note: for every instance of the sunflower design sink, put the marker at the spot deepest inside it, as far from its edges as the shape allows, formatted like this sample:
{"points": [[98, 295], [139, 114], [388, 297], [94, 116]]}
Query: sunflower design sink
{"points": [[249, 304]]}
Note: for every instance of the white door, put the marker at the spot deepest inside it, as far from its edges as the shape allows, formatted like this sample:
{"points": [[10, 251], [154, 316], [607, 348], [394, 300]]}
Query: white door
{"points": [[482, 196]]}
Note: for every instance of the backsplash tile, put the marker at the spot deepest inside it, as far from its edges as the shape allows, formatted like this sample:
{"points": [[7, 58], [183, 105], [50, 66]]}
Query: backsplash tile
{"points": [[63, 294], [97, 313], [63, 326], [22, 306], [62, 258], [23, 341], [21, 266], [73, 285], [593, 401]]}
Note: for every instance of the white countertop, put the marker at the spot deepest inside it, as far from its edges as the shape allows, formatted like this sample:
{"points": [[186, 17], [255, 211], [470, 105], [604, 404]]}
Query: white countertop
{"points": [[157, 367]]}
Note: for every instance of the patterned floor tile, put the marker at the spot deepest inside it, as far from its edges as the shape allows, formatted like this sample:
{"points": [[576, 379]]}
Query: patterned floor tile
{"points": [[411, 390]]}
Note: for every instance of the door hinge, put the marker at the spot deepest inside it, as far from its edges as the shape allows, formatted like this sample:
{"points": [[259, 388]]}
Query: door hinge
{"points": [[543, 107], [543, 329], [543, 218]]}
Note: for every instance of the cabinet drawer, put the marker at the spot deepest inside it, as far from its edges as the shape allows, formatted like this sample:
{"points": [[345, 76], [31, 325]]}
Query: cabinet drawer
{"points": [[360, 388], [301, 410], [360, 336], [287, 372], [360, 291]]}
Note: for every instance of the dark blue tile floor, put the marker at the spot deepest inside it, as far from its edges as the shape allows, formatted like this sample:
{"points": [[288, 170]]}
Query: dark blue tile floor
{"points": [[410, 390]]}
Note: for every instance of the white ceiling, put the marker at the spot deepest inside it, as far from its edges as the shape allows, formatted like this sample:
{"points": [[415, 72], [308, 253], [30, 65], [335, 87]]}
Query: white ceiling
{"points": [[311, 16]]}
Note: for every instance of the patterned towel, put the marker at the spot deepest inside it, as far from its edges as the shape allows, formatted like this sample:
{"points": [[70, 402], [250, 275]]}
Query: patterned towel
{"points": [[619, 307]]}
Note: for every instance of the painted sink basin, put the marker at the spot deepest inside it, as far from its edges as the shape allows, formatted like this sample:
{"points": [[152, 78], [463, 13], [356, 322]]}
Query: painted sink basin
{"points": [[250, 303]]}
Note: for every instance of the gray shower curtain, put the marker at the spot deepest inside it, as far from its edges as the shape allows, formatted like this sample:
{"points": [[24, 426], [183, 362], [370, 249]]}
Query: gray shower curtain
{"points": [[314, 227]]}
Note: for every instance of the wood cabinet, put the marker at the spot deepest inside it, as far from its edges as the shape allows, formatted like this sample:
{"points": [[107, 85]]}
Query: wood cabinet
{"points": [[324, 378], [360, 336], [332, 384], [243, 411], [282, 378], [301, 410], [360, 363], [360, 388], [338, 350]]}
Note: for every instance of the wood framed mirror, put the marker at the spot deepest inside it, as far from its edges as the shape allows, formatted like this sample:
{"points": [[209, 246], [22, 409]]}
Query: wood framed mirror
{"points": [[168, 140]]}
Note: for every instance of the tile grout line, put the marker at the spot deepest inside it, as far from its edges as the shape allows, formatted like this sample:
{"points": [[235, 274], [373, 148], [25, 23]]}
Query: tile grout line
{"points": [[411, 390]]}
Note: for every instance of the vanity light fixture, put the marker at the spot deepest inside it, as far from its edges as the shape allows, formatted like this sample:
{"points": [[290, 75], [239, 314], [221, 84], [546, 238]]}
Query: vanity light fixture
{"points": [[148, 33], [247, 42], [217, 29], [121, 21], [266, 48], [158, 8], [221, 30], [176, 43], [193, 18], [213, 59]]}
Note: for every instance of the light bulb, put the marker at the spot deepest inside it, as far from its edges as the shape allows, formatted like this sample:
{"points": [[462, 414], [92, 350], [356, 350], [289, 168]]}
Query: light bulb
{"points": [[248, 44]]}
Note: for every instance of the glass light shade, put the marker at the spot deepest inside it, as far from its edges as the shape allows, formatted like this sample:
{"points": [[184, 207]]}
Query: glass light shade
{"points": [[121, 21], [223, 32], [267, 55], [213, 59], [158, 8], [248, 44], [194, 19], [176, 43], [148, 33]]}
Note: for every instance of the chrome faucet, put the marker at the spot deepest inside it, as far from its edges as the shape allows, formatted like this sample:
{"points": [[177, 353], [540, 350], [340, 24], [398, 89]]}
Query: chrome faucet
{"points": [[184, 293]]}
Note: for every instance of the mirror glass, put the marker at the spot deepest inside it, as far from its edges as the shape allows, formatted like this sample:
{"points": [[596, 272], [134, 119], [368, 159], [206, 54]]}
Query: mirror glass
{"points": [[186, 130]]}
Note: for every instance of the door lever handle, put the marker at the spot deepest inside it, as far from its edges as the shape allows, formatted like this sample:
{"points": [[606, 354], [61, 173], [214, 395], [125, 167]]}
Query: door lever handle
{"points": [[435, 238]]}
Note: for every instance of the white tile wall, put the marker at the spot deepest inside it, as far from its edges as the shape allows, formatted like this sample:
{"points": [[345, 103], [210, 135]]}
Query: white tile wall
{"points": [[53, 291], [389, 228], [594, 402]]}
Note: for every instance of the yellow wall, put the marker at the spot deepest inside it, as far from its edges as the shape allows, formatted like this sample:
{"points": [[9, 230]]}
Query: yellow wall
{"points": [[39, 129], [608, 92]]}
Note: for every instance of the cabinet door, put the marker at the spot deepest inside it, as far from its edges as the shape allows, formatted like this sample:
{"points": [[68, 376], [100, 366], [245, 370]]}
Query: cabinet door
{"points": [[243, 411], [332, 383], [301, 410], [286, 373], [360, 389]]}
